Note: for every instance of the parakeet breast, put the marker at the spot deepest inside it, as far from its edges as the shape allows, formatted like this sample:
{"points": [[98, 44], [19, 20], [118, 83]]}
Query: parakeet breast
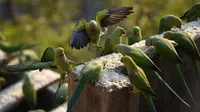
{"points": [[61, 64]]}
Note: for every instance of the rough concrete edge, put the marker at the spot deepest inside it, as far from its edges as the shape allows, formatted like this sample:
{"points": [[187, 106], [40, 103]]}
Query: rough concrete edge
{"points": [[12, 95], [112, 79]]}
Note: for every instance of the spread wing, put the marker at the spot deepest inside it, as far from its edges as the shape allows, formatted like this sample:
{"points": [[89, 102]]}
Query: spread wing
{"points": [[24, 67], [79, 38], [112, 16]]}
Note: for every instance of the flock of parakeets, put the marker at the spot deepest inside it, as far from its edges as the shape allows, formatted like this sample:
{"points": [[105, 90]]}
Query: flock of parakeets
{"points": [[133, 58]]}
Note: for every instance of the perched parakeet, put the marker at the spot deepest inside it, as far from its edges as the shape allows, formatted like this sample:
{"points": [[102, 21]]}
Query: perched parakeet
{"points": [[89, 73], [165, 49], [86, 33], [135, 35], [143, 61], [139, 80], [192, 14], [186, 44], [138, 56], [168, 22], [30, 94], [56, 58], [113, 40]]}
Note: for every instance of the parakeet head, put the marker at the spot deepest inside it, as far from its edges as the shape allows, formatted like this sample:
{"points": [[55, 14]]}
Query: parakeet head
{"points": [[151, 41], [120, 48], [127, 60], [59, 52], [92, 25], [119, 31], [136, 31]]}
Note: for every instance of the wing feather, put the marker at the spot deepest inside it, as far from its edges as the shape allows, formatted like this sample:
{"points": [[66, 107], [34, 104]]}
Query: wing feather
{"points": [[79, 38], [112, 16]]}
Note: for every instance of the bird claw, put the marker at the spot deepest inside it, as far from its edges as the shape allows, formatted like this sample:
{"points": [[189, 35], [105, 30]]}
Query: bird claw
{"points": [[98, 47]]}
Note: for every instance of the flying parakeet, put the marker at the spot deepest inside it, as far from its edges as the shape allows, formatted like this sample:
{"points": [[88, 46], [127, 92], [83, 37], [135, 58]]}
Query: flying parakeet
{"points": [[168, 22], [50, 58], [86, 33], [139, 80], [135, 35], [143, 61], [165, 49], [30, 94], [192, 14], [89, 73], [113, 40], [186, 44]]}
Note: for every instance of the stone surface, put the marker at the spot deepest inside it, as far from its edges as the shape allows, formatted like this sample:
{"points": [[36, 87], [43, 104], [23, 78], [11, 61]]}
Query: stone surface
{"points": [[110, 93], [12, 95]]}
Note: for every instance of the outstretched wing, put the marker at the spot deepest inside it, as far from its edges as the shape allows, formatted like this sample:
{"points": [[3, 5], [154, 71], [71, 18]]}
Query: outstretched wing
{"points": [[24, 67], [79, 38], [112, 16]]}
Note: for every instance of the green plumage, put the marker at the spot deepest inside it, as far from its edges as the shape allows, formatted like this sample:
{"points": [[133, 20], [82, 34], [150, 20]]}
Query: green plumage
{"points": [[168, 22], [165, 49], [135, 35], [89, 73], [185, 42], [113, 40], [192, 14], [139, 80], [138, 56], [30, 94], [86, 33]]}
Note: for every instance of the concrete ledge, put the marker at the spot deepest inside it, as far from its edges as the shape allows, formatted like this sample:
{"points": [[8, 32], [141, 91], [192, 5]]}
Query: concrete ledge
{"points": [[110, 93], [11, 96]]}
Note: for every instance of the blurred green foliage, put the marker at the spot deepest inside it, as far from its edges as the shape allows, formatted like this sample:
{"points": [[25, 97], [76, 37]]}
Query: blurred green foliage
{"points": [[50, 22]]}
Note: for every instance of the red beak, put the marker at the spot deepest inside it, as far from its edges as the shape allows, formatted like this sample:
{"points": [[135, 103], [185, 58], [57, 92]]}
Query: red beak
{"points": [[137, 33], [124, 32], [92, 29], [62, 54]]}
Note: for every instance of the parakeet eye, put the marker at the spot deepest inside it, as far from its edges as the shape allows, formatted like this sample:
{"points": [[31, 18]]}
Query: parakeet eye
{"points": [[137, 33], [62, 54]]}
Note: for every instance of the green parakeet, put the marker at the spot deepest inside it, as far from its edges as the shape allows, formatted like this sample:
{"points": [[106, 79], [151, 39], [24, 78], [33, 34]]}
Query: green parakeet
{"points": [[138, 56], [135, 35], [113, 40], [168, 22], [192, 14], [56, 58], [30, 94], [89, 73], [86, 33], [143, 61], [165, 49], [186, 44], [139, 80]]}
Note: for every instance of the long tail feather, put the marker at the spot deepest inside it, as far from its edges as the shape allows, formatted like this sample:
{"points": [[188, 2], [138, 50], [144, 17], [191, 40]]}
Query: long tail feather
{"points": [[179, 73], [76, 94], [198, 70], [150, 102], [167, 86]]}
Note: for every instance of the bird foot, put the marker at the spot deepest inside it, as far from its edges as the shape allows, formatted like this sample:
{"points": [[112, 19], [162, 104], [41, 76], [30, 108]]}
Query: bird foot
{"points": [[98, 47]]}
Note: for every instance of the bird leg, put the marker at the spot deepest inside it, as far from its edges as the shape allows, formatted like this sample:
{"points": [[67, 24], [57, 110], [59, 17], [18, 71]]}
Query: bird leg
{"points": [[98, 47], [90, 46]]}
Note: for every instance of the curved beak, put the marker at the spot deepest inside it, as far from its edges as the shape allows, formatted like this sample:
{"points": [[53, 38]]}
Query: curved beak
{"points": [[124, 32], [62, 54]]}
